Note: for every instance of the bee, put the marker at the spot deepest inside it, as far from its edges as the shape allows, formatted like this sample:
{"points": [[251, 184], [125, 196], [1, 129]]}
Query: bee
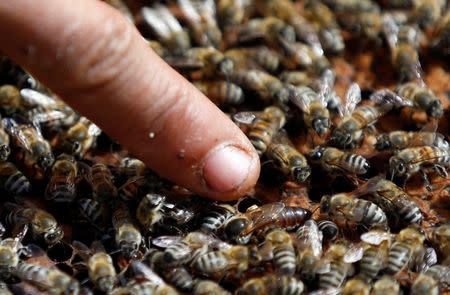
{"points": [[356, 286], [441, 239], [222, 93], [425, 284], [133, 167], [99, 264], [422, 98], [12, 179], [272, 284], [216, 217], [47, 279], [329, 230], [238, 258], [336, 161], [338, 270], [303, 56], [254, 58], [122, 7], [324, 20], [280, 245], [441, 273], [103, 187], [4, 144], [427, 12], [397, 140], [92, 211], [393, 200], [179, 277], [271, 30], [231, 12], [386, 285], [412, 160], [155, 209], [80, 137], [212, 62], [406, 250], [62, 184], [207, 287], [42, 224], [240, 228], [201, 18], [10, 251], [309, 249], [10, 99], [128, 237], [264, 126], [442, 35], [265, 86], [30, 139], [405, 57], [133, 188], [372, 252], [346, 206], [167, 28]]}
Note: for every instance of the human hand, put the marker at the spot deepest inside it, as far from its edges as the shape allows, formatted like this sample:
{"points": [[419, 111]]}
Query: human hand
{"points": [[96, 60]]}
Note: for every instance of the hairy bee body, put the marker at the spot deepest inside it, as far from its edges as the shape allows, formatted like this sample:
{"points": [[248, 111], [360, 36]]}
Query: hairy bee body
{"points": [[216, 217], [253, 57], [442, 40], [426, 285], [51, 280], [180, 278], [231, 12], [222, 93], [262, 84], [405, 139], [102, 183], [386, 285], [441, 273], [334, 160], [441, 238], [102, 271], [283, 251], [12, 179], [356, 286], [427, 12], [80, 137], [309, 249], [422, 98], [128, 236], [271, 29], [214, 62], [289, 161], [10, 100], [373, 258], [206, 287], [272, 284], [338, 269], [62, 184], [145, 288]]}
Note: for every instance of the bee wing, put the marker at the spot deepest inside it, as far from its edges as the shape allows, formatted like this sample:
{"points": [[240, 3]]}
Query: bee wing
{"points": [[282, 137], [390, 29], [166, 241], [309, 235], [97, 246], [209, 239], [300, 51], [352, 98], [144, 271], [375, 237], [327, 80], [302, 102], [169, 19], [94, 130], [246, 118], [34, 98], [328, 291], [429, 259], [151, 17], [426, 135], [354, 254], [11, 126], [386, 96], [47, 116], [189, 11], [264, 215], [81, 249]]}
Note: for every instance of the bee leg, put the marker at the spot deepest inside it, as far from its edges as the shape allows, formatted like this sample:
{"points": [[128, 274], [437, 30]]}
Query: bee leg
{"points": [[441, 171], [426, 181]]}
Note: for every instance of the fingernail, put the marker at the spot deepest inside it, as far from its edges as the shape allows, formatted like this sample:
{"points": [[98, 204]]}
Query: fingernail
{"points": [[226, 168]]}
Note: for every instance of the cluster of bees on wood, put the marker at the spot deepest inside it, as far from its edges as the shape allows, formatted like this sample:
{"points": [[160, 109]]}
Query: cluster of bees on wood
{"points": [[342, 206]]}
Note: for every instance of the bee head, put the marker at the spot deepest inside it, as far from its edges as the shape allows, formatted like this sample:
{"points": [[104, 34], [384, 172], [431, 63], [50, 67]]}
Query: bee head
{"points": [[46, 161], [435, 109], [300, 174], [317, 153], [53, 237], [383, 142], [129, 249], [154, 200], [225, 67], [398, 168], [235, 227]]}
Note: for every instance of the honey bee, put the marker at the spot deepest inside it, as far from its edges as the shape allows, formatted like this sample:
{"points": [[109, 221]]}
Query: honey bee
{"points": [[441, 273], [422, 98], [103, 187], [10, 99], [4, 144], [216, 217], [222, 93], [133, 188], [356, 286], [99, 264], [425, 284], [240, 228], [133, 167], [271, 30], [296, 78], [441, 239], [406, 250], [280, 245], [154, 209], [201, 18], [254, 58], [47, 279], [336, 161], [346, 206], [31, 141], [179, 277], [92, 211], [264, 126], [42, 224], [338, 270], [12, 179], [386, 285], [212, 62], [207, 287], [442, 35], [393, 200], [62, 184], [81, 137], [122, 7], [412, 160], [10, 251], [238, 258], [373, 252], [262, 84], [167, 28], [231, 12], [427, 12], [405, 57], [272, 284], [329, 230], [128, 237], [326, 24], [309, 249]]}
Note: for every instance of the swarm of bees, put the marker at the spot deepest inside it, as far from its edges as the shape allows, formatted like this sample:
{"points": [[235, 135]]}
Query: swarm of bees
{"points": [[353, 196]]}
